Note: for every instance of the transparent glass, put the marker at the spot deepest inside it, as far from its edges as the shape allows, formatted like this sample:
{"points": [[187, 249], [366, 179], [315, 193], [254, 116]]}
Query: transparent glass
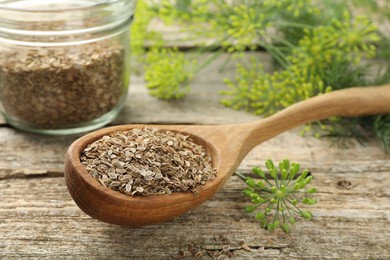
{"points": [[64, 65]]}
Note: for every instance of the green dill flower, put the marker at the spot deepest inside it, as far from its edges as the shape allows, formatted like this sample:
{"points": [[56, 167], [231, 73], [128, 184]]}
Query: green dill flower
{"points": [[234, 26], [167, 73], [306, 73], [276, 199], [140, 32], [347, 40], [293, 6], [244, 26], [264, 93], [357, 37], [185, 11], [247, 81]]}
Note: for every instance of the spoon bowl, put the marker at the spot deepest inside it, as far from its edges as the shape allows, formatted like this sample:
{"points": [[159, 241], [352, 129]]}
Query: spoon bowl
{"points": [[113, 207], [227, 145]]}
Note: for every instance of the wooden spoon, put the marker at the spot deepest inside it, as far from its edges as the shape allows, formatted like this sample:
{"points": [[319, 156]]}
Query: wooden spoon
{"points": [[226, 144]]}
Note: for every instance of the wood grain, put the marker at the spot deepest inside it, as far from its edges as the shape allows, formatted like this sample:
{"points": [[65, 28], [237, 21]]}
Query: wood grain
{"points": [[39, 220], [352, 220], [227, 145]]}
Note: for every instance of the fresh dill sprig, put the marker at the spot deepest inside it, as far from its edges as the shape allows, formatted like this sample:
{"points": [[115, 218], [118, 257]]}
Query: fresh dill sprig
{"points": [[309, 70], [316, 46], [276, 202], [167, 73]]}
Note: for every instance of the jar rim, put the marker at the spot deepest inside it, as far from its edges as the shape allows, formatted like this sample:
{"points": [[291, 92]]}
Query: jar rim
{"points": [[91, 20], [6, 7]]}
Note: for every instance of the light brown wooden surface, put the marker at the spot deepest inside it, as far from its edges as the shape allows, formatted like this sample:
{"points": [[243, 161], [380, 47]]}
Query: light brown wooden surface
{"points": [[227, 145], [38, 218]]}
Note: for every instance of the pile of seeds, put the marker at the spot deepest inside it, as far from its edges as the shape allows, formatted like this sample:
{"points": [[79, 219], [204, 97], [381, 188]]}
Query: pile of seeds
{"points": [[61, 87], [148, 161]]}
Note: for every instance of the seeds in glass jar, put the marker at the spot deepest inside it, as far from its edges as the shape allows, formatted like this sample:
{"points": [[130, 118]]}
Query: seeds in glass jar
{"points": [[61, 88], [148, 161]]}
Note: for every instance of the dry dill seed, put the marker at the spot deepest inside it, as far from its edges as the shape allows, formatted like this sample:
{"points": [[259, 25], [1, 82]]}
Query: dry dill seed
{"points": [[148, 161], [59, 88]]}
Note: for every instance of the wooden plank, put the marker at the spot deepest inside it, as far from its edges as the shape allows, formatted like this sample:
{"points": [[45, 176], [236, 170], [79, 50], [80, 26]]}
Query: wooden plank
{"points": [[39, 219], [54, 227]]}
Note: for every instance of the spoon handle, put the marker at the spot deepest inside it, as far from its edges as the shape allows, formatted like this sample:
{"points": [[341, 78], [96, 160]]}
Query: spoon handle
{"points": [[349, 102]]}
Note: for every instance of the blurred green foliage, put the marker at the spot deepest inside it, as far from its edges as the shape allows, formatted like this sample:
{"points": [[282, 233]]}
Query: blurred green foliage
{"points": [[314, 52]]}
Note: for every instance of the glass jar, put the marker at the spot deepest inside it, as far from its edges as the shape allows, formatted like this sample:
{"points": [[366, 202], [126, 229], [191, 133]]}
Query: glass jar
{"points": [[64, 65]]}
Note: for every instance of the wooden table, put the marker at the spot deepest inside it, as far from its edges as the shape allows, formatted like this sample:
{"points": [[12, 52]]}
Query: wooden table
{"points": [[38, 218]]}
